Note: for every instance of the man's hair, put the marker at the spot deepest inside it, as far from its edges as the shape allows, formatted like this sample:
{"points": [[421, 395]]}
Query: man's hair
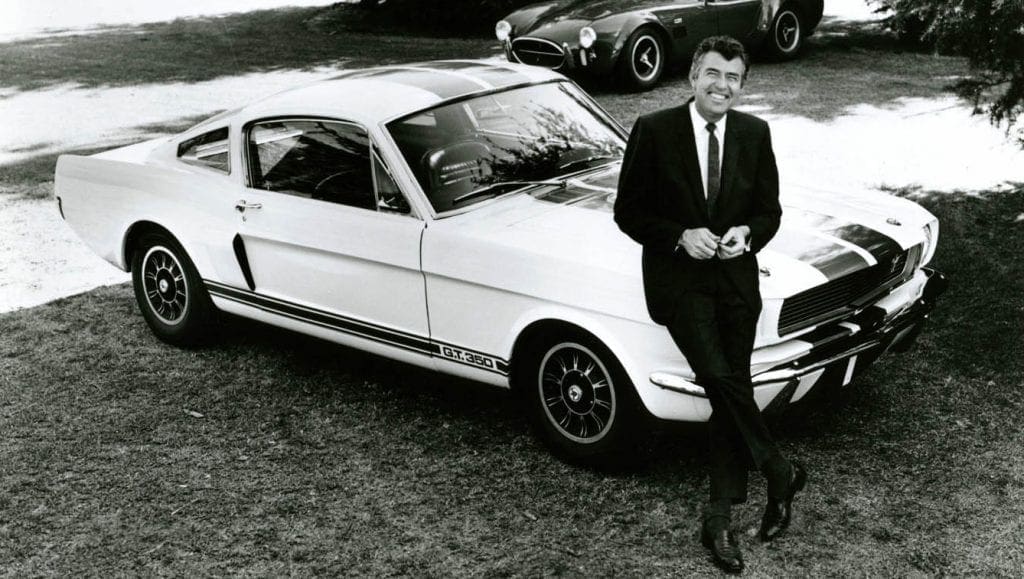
{"points": [[727, 46]]}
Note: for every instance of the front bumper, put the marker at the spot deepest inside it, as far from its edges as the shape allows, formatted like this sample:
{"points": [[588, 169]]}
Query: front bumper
{"points": [[840, 352]]}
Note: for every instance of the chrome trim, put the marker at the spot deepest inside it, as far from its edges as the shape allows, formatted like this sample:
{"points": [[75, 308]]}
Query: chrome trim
{"points": [[684, 385]]}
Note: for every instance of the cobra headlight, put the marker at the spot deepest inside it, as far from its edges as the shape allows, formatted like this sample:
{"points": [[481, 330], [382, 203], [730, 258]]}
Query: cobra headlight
{"points": [[587, 37], [502, 30]]}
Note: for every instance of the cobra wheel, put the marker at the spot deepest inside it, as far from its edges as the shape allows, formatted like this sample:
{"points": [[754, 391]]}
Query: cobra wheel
{"points": [[169, 291], [786, 35], [642, 60], [581, 402]]}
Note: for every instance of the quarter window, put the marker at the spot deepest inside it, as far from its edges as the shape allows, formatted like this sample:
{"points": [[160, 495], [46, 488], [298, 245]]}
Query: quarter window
{"points": [[324, 160], [207, 150]]}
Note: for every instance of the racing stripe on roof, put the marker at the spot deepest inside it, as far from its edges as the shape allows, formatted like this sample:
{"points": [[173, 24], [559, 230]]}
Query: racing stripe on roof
{"points": [[495, 76], [444, 84]]}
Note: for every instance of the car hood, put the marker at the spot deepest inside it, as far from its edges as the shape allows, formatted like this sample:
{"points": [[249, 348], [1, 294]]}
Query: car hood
{"points": [[824, 234], [540, 14]]}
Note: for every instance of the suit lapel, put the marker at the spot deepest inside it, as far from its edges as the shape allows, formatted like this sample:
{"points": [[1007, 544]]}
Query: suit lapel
{"points": [[688, 150], [730, 158]]}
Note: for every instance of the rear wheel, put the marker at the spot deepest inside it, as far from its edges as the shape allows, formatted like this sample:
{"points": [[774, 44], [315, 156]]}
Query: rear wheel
{"points": [[169, 291], [581, 403], [786, 35], [642, 60]]}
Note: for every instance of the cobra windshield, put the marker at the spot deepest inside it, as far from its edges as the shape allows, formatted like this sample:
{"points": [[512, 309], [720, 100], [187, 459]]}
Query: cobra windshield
{"points": [[466, 152]]}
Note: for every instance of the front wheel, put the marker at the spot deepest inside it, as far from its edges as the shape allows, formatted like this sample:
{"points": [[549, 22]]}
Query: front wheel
{"points": [[786, 35], [642, 60], [169, 291], [581, 403]]}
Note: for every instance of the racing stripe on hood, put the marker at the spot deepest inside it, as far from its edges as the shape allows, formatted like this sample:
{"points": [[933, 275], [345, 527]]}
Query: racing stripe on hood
{"points": [[832, 259], [880, 247]]}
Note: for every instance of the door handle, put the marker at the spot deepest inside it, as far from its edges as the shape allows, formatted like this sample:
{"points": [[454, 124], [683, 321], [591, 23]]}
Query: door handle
{"points": [[242, 205]]}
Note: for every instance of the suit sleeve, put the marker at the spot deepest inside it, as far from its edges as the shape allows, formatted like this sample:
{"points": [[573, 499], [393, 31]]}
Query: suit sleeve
{"points": [[636, 211], [767, 212]]}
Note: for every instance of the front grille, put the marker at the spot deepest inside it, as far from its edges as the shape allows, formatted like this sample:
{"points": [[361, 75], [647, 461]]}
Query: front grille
{"points": [[840, 296], [538, 52]]}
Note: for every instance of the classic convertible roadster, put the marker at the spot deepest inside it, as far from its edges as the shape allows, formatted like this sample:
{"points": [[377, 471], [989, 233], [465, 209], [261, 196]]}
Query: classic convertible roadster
{"points": [[634, 40], [457, 215]]}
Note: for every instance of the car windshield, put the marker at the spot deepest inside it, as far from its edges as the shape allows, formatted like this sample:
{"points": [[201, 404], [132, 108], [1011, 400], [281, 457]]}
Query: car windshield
{"points": [[472, 150]]}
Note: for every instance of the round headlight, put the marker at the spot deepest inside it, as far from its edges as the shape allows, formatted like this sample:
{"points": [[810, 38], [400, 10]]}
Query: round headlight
{"points": [[587, 37], [502, 30], [928, 250]]}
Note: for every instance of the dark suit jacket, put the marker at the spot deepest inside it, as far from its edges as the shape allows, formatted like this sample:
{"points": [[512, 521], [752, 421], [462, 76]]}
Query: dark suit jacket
{"points": [[661, 194]]}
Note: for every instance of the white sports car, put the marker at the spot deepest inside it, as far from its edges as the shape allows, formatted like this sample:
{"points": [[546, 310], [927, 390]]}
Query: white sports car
{"points": [[457, 215]]}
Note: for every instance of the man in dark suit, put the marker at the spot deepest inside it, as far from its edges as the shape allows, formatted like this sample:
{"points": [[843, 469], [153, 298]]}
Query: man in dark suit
{"points": [[699, 190]]}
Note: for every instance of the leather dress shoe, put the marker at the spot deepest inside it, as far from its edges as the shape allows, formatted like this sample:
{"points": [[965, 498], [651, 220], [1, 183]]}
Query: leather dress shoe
{"points": [[779, 511], [725, 550]]}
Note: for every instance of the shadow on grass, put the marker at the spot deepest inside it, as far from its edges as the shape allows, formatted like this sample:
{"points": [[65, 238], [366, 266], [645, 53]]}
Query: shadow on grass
{"points": [[32, 177], [206, 48], [844, 65]]}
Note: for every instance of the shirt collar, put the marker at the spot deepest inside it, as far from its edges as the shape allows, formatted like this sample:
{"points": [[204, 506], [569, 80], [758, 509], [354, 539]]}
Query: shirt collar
{"points": [[699, 123]]}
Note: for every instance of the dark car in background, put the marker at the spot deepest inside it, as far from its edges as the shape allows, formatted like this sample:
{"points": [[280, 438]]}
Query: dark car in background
{"points": [[634, 40]]}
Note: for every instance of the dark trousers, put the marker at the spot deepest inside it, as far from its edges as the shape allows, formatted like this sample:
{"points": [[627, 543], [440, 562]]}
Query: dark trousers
{"points": [[715, 328]]}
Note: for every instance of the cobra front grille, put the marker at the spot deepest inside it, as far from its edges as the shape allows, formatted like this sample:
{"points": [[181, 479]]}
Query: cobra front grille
{"points": [[538, 52], [840, 296]]}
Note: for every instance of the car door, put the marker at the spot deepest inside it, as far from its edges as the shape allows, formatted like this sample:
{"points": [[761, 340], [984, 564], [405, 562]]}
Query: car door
{"points": [[688, 22], [737, 18], [324, 228]]}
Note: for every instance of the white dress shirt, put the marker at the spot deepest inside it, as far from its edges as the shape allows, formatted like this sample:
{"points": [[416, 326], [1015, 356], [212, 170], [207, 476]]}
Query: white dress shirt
{"points": [[700, 137]]}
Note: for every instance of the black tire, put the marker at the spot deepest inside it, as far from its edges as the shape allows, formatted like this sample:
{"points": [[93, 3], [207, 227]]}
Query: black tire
{"points": [[786, 34], [642, 60], [169, 291], [581, 403]]}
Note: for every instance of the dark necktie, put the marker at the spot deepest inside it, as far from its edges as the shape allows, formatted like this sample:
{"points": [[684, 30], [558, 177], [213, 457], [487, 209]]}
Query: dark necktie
{"points": [[714, 178]]}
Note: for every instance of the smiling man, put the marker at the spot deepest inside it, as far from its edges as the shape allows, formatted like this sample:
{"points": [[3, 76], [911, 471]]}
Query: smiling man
{"points": [[699, 190]]}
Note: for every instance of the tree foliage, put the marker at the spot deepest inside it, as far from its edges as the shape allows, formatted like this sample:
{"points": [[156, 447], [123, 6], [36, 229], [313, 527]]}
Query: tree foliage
{"points": [[990, 33]]}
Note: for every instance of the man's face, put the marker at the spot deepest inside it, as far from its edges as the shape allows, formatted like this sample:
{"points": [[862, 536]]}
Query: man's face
{"points": [[717, 84]]}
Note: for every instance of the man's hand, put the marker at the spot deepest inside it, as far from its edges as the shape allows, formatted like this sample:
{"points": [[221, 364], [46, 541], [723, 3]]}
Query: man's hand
{"points": [[733, 243], [699, 243]]}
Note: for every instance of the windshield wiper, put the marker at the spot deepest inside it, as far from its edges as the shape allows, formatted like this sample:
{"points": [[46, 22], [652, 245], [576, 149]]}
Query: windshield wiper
{"points": [[586, 160], [491, 188]]}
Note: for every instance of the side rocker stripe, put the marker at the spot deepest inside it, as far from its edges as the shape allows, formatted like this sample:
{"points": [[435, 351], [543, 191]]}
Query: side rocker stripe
{"points": [[380, 334]]}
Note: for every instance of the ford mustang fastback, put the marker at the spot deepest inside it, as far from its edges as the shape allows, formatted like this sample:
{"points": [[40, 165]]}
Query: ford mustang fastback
{"points": [[633, 41], [456, 215]]}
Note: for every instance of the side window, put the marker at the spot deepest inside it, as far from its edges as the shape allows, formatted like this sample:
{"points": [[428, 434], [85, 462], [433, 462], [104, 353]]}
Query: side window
{"points": [[324, 160], [389, 196], [207, 150]]}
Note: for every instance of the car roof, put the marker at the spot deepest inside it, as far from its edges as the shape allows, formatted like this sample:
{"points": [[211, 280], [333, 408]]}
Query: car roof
{"points": [[382, 93]]}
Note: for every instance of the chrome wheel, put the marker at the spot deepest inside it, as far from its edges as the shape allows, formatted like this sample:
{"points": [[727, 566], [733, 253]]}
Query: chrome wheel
{"points": [[165, 286], [787, 31], [577, 392], [646, 58]]}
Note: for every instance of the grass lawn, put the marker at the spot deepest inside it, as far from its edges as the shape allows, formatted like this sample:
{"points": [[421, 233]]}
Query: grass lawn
{"points": [[268, 453]]}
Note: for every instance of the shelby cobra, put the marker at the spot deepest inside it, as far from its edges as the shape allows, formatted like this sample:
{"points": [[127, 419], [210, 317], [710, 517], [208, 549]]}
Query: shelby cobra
{"points": [[635, 39], [457, 215]]}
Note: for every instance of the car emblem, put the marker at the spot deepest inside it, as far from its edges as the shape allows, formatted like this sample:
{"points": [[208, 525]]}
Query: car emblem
{"points": [[765, 272], [893, 221]]}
